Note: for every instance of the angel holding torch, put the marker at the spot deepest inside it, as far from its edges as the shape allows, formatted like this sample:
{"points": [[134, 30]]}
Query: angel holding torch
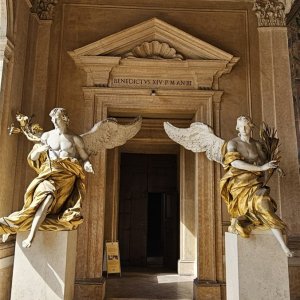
{"points": [[243, 187], [53, 199]]}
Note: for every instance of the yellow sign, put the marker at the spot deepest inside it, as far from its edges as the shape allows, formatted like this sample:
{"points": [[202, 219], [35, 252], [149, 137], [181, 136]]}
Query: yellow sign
{"points": [[113, 257]]}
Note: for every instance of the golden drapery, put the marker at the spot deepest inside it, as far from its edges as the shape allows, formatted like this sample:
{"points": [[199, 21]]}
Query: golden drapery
{"points": [[247, 199], [62, 178]]}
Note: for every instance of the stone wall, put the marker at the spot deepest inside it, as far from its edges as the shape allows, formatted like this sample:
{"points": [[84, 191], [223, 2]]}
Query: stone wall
{"points": [[39, 74]]}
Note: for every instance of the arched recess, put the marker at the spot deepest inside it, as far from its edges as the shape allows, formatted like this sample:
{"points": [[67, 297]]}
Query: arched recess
{"points": [[154, 69]]}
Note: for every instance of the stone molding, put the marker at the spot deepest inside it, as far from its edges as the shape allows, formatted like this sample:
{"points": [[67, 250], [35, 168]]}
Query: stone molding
{"points": [[270, 13], [44, 8]]}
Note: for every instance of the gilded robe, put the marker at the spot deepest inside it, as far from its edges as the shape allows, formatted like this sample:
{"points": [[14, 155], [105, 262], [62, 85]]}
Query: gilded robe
{"points": [[247, 199], [63, 179]]}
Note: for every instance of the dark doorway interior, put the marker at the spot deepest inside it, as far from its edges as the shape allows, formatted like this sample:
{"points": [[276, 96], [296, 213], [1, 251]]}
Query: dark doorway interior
{"points": [[148, 211], [155, 227]]}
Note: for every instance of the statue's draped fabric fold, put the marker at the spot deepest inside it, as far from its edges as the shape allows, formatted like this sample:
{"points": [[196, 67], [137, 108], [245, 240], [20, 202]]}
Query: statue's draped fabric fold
{"points": [[247, 199], [62, 178]]}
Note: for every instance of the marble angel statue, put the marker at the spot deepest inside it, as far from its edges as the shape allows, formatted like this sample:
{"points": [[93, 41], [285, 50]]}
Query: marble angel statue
{"points": [[53, 199], [248, 164]]}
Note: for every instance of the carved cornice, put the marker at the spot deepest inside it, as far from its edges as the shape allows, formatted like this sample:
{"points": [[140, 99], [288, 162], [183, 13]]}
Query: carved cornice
{"points": [[44, 8], [270, 13]]}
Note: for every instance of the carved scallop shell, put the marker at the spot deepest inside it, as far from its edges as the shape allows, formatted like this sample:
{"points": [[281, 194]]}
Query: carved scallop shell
{"points": [[154, 50]]}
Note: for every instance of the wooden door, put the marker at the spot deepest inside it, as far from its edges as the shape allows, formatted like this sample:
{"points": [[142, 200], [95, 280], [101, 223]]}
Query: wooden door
{"points": [[143, 176], [133, 210]]}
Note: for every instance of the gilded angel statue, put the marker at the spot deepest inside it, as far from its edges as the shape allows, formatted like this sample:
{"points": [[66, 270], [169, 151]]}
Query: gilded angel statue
{"points": [[247, 163], [53, 199]]}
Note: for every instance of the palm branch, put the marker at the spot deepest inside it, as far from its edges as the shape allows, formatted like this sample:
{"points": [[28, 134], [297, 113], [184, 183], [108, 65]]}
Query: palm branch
{"points": [[270, 144]]}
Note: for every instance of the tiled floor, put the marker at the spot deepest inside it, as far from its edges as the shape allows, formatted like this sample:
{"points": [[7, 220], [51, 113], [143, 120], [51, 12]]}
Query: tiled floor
{"points": [[144, 285]]}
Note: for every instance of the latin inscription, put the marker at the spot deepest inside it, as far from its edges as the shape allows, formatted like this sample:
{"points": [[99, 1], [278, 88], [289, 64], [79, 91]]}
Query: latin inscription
{"points": [[151, 82]]}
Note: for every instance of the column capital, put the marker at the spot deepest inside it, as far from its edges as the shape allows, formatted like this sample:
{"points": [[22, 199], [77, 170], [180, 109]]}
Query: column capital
{"points": [[272, 13], [44, 8]]}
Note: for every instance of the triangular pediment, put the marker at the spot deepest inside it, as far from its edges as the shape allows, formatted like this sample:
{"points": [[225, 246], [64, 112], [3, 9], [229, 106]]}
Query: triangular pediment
{"points": [[153, 54], [154, 29]]}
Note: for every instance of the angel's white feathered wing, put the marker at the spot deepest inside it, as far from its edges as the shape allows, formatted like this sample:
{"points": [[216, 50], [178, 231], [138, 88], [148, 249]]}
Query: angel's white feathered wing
{"points": [[198, 137], [109, 134]]}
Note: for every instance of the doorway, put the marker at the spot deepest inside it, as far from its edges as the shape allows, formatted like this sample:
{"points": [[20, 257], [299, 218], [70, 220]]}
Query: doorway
{"points": [[149, 211]]}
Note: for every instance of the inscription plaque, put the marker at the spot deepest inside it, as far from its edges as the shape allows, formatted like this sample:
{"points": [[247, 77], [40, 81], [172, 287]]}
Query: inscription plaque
{"points": [[138, 82]]}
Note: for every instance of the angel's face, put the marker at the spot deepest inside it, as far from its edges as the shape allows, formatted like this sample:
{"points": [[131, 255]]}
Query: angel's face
{"points": [[58, 121], [244, 127]]}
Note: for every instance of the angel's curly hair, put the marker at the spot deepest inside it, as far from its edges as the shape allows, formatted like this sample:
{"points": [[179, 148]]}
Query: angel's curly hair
{"points": [[246, 119], [60, 112]]}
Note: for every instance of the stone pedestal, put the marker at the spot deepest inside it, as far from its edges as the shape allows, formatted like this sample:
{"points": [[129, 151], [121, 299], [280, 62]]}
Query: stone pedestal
{"points": [[47, 269], [256, 268]]}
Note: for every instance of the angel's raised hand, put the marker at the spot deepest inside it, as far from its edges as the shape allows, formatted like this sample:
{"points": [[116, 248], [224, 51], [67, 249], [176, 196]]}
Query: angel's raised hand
{"points": [[273, 164]]}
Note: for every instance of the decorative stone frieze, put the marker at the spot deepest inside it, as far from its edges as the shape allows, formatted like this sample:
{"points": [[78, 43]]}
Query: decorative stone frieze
{"points": [[270, 13], [44, 8], [154, 50]]}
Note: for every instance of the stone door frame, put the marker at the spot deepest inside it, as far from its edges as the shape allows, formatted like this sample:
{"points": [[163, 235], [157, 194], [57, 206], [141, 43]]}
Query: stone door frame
{"points": [[200, 105]]}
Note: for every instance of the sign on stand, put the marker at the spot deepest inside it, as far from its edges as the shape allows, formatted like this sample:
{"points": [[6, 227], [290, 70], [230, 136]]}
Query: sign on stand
{"points": [[112, 257]]}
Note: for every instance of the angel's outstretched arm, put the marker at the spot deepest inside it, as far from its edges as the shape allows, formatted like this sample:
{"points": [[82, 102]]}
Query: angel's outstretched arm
{"points": [[79, 144]]}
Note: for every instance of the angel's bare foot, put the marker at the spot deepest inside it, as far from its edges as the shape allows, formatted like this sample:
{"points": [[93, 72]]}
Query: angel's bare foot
{"points": [[5, 237], [232, 229], [278, 235], [38, 219], [27, 243], [288, 252]]}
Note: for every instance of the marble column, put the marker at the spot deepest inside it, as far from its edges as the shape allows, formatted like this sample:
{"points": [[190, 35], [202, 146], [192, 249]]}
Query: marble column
{"points": [[35, 81], [278, 111], [89, 280], [209, 282], [188, 234], [35, 88]]}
